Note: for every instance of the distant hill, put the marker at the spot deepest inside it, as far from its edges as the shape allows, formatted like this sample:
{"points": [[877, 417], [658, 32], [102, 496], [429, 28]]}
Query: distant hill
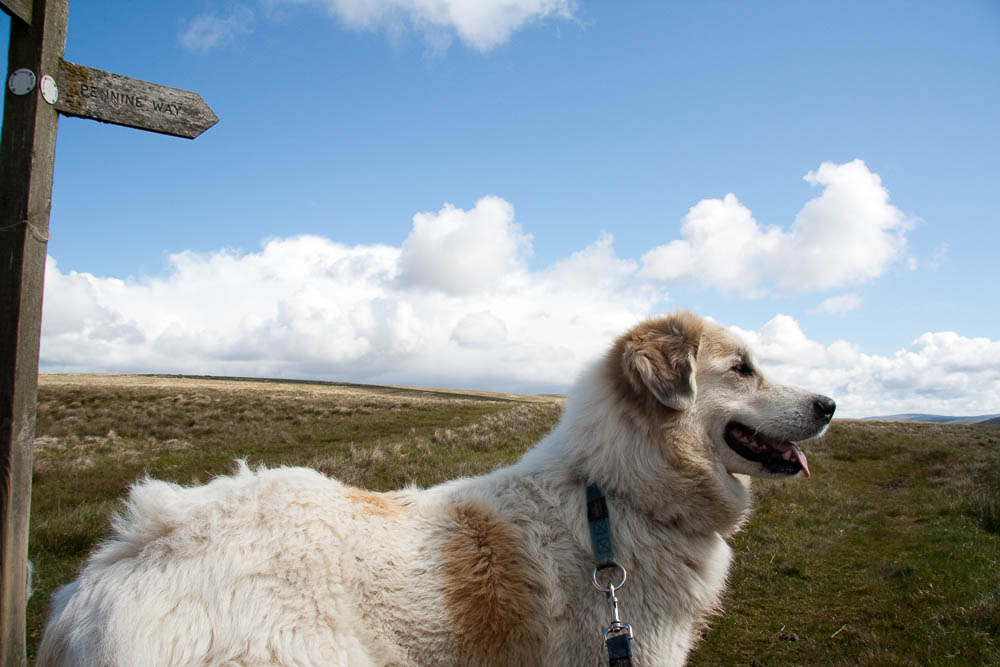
{"points": [[985, 420]]}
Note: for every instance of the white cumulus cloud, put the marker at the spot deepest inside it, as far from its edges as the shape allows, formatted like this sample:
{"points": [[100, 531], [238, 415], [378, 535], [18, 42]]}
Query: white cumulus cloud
{"points": [[480, 329], [838, 305], [480, 24], [453, 305], [849, 234], [210, 31], [939, 372], [462, 252]]}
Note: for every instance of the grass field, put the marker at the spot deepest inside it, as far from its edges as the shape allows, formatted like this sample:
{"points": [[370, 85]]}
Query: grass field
{"points": [[888, 555]]}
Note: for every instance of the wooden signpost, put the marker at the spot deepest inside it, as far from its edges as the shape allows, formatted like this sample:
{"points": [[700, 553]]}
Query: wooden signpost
{"points": [[112, 98], [39, 86]]}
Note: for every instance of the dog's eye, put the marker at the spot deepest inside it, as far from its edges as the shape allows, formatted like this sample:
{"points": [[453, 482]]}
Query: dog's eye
{"points": [[743, 368]]}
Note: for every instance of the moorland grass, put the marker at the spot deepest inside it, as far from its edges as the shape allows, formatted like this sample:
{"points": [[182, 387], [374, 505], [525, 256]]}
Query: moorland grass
{"points": [[887, 556]]}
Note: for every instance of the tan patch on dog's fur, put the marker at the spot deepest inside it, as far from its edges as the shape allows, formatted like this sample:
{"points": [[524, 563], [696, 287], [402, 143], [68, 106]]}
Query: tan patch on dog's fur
{"points": [[656, 358], [494, 603], [374, 504]]}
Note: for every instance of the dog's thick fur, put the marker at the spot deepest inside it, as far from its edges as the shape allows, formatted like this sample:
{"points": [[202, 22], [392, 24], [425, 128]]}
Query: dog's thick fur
{"points": [[288, 567]]}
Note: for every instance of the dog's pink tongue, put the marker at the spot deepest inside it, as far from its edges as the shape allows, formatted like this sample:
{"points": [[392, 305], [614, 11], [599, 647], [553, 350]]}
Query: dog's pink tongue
{"points": [[801, 458], [798, 454]]}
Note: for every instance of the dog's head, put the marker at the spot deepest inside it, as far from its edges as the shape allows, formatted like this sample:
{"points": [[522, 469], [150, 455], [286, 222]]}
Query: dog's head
{"points": [[709, 379]]}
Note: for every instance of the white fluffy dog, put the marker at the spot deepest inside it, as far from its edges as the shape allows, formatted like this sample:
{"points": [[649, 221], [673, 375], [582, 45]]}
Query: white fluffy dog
{"points": [[289, 567]]}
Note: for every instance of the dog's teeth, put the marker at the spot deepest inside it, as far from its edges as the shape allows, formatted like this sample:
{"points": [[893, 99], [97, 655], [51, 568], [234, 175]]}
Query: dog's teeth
{"points": [[788, 455]]}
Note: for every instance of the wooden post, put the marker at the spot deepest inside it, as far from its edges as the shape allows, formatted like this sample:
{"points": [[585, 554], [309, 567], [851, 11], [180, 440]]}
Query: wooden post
{"points": [[27, 154]]}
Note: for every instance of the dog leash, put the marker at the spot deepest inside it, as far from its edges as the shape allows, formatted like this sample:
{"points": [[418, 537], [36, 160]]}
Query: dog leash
{"points": [[618, 636]]}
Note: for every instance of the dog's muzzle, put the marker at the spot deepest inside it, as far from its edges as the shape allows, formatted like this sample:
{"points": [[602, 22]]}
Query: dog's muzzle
{"points": [[779, 455]]}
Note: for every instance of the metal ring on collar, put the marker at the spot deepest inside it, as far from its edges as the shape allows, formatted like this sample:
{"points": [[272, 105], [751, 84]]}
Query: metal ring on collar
{"points": [[615, 587]]}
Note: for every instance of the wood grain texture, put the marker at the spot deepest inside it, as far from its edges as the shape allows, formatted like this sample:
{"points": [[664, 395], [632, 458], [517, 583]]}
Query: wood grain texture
{"points": [[27, 155], [19, 8], [121, 100]]}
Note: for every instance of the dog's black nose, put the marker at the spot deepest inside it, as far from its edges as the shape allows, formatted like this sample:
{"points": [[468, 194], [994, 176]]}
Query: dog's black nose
{"points": [[824, 407]]}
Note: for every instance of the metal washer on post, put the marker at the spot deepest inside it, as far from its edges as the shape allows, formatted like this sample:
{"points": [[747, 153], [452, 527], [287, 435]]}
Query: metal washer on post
{"points": [[50, 90], [22, 81]]}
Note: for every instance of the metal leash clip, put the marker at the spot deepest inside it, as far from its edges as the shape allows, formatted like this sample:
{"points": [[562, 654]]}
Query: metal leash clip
{"points": [[619, 645]]}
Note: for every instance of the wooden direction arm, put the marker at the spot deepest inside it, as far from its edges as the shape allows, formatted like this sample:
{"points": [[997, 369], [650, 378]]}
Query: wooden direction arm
{"points": [[121, 100], [19, 8]]}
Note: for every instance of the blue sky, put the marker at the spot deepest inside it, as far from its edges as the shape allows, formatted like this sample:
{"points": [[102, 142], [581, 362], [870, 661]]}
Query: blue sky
{"points": [[483, 194]]}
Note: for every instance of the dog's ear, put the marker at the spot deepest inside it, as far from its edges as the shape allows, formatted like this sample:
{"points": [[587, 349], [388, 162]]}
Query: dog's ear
{"points": [[660, 358]]}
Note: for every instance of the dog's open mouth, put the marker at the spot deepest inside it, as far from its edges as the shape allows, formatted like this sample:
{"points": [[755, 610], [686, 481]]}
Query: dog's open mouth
{"points": [[777, 456]]}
